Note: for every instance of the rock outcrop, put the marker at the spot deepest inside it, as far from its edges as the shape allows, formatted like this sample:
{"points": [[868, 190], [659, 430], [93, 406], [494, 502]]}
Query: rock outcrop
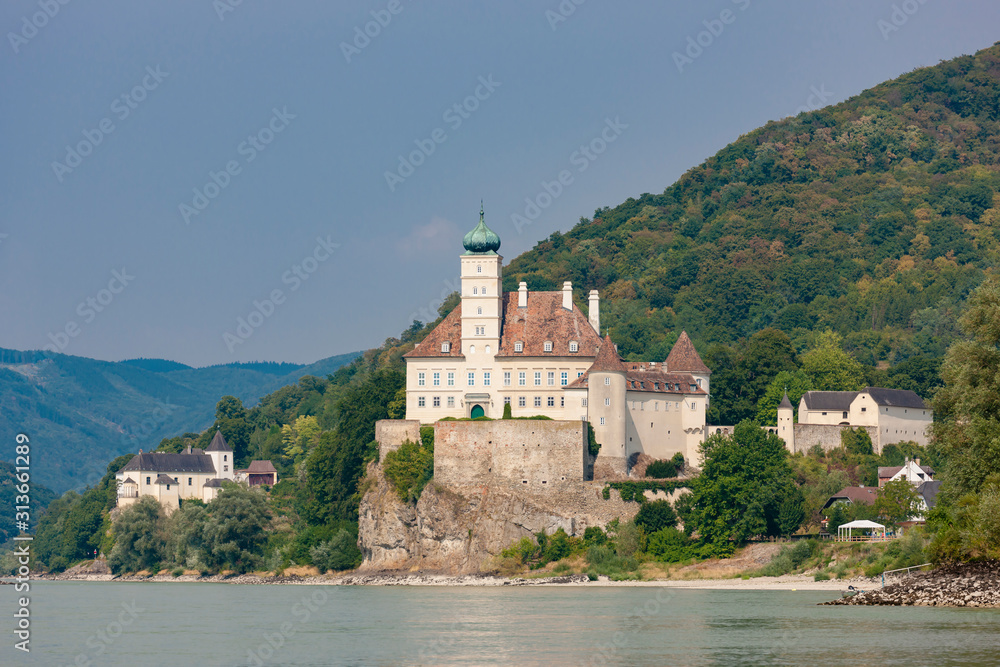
{"points": [[459, 529], [961, 585]]}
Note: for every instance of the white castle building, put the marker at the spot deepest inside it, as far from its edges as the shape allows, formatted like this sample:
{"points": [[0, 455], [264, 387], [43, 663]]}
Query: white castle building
{"points": [[538, 353]]}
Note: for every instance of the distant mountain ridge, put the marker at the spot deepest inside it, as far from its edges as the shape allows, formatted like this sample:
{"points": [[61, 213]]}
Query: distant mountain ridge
{"points": [[81, 413]]}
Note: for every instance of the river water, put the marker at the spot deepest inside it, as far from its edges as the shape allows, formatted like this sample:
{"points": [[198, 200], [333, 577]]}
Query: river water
{"points": [[180, 624]]}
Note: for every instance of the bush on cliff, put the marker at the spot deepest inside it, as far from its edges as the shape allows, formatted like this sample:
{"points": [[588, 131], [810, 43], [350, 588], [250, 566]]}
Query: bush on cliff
{"points": [[665, 468], [408, 469], [656, 515]]}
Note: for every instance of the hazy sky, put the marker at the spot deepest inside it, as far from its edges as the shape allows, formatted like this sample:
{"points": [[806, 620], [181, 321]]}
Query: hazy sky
{"points": [[168, 164]]}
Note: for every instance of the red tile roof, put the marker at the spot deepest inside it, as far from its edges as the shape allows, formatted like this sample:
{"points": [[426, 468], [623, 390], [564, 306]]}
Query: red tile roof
{"points": [[450, 330], [607, 360], [683, 357], [544, 319]]}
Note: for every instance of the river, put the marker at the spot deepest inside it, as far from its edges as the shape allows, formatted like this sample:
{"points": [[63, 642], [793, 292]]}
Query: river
{"points": [[81, 623]]}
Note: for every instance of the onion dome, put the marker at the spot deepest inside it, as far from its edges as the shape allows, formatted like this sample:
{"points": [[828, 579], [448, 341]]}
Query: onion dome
{"points": [[482, 240]]}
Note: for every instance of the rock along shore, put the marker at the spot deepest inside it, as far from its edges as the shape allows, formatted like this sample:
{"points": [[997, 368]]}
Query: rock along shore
{"points": [[957, 585]]}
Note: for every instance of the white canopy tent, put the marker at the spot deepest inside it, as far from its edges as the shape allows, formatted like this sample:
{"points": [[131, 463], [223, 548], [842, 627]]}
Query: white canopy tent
{"points": [[845, 531]]}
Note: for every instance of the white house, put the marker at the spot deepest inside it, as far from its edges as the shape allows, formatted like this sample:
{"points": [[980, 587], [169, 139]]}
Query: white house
{"points": [[171, 478]]}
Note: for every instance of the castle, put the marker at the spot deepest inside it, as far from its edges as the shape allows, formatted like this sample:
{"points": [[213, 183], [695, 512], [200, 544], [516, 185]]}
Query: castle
{"points": [[193, 473], [538, 353]]}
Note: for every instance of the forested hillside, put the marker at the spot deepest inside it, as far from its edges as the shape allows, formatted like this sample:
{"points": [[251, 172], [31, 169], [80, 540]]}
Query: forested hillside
{"points": [[81, 412], [874, 218]]}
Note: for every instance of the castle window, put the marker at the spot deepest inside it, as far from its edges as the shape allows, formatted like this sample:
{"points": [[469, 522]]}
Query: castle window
{"points": [[472, 349], [698, 380], [519, 346], [189, 481], [656, 386], [224, 469], [421, 402], [506, 379], [451, 401], [479, 310], [483, 291], [487, 349], [538, 401], [147, 480], [437, 380], [583, 402], [506, 400], [421, 379], [436, 401], [845, 415], [538, 378], [694, 406], [551, 378], [520, 379], [451, 379], [520, 401], [574, 346], [656, 406], [563, 379], [579, 374], [472, 378], [607, 402], [475, 290], [446, 346], [642, 405], [694, 387], [602, 421], [562, 401], [551, 401], [864, 409], [486, 378], [480, 331], [548, 346], [168, 487], [479, 269], [607, 381], [225, 457]]}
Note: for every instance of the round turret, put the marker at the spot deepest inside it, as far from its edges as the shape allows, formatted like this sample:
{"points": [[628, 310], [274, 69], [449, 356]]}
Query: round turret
{"points": [[482, 240]]}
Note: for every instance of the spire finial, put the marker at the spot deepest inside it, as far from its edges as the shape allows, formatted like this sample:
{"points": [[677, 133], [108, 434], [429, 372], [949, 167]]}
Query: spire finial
{"points": [[481, 211]]}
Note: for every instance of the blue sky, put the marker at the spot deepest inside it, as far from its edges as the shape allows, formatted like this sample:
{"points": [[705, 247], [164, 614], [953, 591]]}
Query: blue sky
{"points": [[172, 168]]}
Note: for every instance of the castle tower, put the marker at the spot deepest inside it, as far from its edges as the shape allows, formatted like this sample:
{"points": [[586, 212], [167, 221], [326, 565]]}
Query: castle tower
{"points": [[608, 410], [683, 358], [222, 457], [786, 423], [482, 301]]}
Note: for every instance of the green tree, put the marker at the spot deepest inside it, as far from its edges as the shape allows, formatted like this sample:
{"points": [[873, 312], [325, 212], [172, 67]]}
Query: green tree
{"points": [[236, 529], [656, 515], [299, 438], [139, 538], [795, 383], [897, 501], [745, 488], [830, 368], [408, 468], [339, 553]]}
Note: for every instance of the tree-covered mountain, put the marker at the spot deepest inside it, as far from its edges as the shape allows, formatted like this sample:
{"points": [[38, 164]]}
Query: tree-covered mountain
{"points": [[80, 413], [874, 218]]}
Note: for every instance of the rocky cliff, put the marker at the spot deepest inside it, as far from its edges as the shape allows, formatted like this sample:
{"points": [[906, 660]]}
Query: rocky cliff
{"points": [[459, 529]]}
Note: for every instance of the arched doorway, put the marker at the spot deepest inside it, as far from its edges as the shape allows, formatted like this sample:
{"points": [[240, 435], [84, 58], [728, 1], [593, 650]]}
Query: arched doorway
{"points": [[477, 411]]}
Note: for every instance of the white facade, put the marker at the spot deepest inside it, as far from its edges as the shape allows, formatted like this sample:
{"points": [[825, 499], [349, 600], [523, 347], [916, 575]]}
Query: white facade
{"points": [[536, 351]]}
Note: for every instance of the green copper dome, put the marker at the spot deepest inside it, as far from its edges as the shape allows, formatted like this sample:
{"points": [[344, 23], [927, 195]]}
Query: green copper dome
{"points": [[482, 240]]}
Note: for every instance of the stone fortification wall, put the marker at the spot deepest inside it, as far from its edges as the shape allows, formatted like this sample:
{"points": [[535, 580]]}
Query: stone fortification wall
{"points": [[827, 436], [391, 433], [534, 454]]}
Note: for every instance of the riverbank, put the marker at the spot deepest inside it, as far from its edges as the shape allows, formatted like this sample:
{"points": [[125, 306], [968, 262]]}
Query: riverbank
{"points": [[960, 585], [783, 583]]}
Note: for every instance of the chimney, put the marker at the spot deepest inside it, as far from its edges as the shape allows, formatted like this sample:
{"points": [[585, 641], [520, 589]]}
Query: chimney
{"points": [[917, 461], [595, 311], [567, 295], [522, 295]]}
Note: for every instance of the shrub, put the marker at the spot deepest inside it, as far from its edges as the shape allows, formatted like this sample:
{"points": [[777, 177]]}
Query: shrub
{"points": [[661, 469], [821, 576], [594, 535], [506, 411], [593, 447], [340, 553], [600, 555], [670, 545], [656, 515], [408, 469], [628, 539]]}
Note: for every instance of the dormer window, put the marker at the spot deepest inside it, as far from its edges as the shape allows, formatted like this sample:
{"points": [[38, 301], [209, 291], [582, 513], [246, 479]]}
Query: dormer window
{"points": [[548, 346], [519, 346], [446, 346], [574, 346]]}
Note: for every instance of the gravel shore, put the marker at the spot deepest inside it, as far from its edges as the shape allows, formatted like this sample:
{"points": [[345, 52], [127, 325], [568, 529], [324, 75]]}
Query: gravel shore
{"points": [[961, 585]]}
